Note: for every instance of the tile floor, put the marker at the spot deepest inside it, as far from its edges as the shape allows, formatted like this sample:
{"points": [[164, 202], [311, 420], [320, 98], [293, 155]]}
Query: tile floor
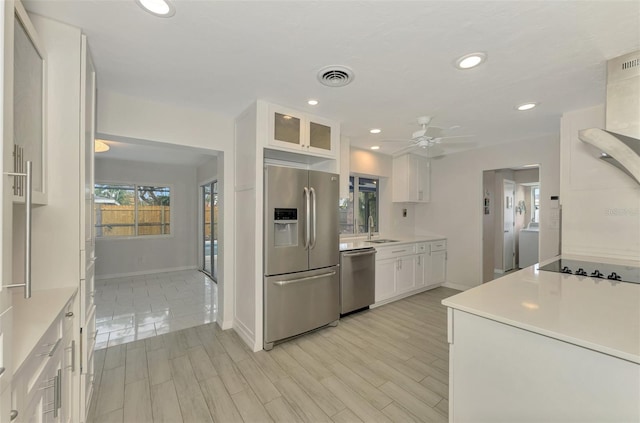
{"points": [[389, 364], [139, 307]]}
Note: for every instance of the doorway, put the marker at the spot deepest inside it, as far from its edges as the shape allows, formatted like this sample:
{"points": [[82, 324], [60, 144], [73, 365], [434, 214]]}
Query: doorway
{"points": [[508, 225], [510, 220], [209, 200]]}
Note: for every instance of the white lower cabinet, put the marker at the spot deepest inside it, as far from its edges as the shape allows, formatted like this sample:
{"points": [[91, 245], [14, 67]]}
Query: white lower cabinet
{"points": [[43, 387], [406, 269]]}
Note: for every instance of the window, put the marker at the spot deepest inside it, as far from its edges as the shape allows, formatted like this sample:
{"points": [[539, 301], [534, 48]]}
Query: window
{"points": [[126, 210], [362, 203]]}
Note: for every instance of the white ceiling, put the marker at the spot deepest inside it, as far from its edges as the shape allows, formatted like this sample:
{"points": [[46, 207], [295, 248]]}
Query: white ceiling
{"points": [[222, 55], [151, 152]]}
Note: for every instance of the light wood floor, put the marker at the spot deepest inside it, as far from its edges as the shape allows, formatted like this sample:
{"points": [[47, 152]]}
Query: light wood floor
{"points": [[389, 364]]}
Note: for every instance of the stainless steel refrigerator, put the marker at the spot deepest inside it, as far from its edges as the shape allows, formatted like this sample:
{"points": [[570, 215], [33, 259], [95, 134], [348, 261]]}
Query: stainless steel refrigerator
{"points": [[301, 252]]}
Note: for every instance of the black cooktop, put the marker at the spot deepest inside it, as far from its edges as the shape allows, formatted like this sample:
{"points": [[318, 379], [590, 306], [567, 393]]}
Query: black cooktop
{"points": [[613, 272]]}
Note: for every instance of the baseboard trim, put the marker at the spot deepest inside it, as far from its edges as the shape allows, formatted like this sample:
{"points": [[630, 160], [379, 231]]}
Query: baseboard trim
{"points": [[245, 334], [404, 295], [144, 272], [456, 286], [500, 271]]}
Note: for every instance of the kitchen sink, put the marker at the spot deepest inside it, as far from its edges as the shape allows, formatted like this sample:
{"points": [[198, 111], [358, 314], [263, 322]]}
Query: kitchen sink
{"points": [[382, 241]]}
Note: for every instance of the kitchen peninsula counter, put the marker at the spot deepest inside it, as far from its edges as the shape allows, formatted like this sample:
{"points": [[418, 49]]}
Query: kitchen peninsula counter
{"points": [[537, 345], [593, 313]]}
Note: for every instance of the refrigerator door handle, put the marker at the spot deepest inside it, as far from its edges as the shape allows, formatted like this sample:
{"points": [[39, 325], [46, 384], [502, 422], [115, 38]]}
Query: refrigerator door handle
{"points": [[307, 222], [312, 244]]}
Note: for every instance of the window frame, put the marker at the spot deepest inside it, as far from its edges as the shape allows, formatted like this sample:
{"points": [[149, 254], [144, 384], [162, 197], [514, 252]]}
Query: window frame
{"points": [[136, 185], [355, 178]]}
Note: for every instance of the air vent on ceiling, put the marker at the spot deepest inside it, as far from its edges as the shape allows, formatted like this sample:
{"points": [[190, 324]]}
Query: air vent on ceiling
{"points": [[630, 64], [335, 76]]}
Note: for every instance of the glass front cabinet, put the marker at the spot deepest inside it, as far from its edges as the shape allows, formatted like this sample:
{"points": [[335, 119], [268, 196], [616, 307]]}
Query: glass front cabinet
{"points": [[294, 130], [29, 109]]}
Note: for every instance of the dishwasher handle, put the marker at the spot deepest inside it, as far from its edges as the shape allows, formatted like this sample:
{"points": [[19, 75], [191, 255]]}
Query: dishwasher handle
{"points": [[366, 253]]}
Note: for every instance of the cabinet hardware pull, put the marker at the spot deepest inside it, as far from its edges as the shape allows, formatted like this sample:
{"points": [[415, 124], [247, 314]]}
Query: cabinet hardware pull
{"points": [[27, 243], [13, 414], [308, 278], [53, 350], [399, 251], [68, 314]]}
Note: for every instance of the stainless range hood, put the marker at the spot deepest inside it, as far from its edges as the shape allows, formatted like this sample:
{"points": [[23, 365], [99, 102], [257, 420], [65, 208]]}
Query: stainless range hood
{"points": [[619, 143]]}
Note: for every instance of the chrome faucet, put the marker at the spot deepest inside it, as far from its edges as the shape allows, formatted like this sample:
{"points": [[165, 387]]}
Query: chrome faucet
{"points": [[371, 225]]}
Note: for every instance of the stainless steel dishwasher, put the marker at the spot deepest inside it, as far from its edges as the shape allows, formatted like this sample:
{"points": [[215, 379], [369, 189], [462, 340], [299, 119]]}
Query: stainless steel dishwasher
{"points": [[357, 279]]}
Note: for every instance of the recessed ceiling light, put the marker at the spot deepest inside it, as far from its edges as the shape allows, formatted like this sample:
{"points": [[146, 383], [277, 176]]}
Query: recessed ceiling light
{"points": [[312, 102], [100, 146], [471, 60], [526, 106], [375, 147], [375, 131], [161, 8]]}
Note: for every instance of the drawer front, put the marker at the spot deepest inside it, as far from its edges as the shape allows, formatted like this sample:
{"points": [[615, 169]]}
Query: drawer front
{"points": [[395, 251], [421, 247], [439, 245], [36, 364]]}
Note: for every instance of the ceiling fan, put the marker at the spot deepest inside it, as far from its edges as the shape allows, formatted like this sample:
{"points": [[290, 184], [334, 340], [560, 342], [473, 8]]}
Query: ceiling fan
{"points": [[432, 139]]}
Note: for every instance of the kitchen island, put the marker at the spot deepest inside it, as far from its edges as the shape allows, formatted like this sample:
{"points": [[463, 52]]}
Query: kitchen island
{"points": [[544, 346]]}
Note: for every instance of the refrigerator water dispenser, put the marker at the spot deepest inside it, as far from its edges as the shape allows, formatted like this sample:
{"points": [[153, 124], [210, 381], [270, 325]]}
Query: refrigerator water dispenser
{"points": [[285, 229]]}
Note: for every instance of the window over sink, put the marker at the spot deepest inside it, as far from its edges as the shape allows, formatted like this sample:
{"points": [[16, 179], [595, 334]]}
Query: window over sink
{"points": [[362, 203]]}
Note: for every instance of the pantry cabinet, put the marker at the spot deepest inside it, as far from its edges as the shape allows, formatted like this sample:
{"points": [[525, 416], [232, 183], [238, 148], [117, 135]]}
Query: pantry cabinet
{"points": [[301, 132], [410, 179]]}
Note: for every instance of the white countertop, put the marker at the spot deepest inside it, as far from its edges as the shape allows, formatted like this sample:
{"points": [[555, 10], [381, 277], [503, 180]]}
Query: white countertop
{"points": [[592, 313], [347, 244], [33, 317]]}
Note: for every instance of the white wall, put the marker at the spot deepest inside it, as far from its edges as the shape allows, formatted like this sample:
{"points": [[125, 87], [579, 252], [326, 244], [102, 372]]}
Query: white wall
{"points": [[391, 221], [140, 255], [120, 115], [456, 207], [600, 204]]}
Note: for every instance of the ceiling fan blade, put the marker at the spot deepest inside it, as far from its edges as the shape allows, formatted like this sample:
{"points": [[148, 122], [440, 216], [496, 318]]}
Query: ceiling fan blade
{"points": [[457, 144], [433, 152], [403, 150], [392, 140], [434, 132], [437, 139]]}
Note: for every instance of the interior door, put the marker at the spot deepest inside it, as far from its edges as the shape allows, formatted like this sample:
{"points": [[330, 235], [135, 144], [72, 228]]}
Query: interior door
{"points": [[324, 247], [509, 221], [285, 220]]}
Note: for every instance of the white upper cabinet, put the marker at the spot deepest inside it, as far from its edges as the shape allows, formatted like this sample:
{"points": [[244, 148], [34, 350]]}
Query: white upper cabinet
{"points": [[301, 132], [411, 182], [28, 80]]}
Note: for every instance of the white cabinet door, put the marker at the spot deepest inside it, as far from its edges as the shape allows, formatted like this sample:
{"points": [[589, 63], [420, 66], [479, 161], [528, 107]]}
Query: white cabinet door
{"points": [[437, 268], [421, 270], [385, 279], [321, 135], [405, 274], [410, 179]]}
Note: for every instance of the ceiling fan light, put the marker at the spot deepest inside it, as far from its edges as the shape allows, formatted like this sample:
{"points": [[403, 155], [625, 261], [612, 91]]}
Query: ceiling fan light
{"points": [[471, 60]]}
